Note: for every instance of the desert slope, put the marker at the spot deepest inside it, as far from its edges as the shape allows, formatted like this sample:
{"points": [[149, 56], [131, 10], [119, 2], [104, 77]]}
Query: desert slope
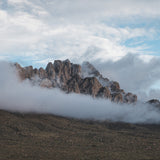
{"points": [[33, 136]]}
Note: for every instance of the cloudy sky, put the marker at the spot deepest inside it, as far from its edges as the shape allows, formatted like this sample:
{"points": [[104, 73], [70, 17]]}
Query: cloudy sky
{"points": [[37, 31], [119, 36]]}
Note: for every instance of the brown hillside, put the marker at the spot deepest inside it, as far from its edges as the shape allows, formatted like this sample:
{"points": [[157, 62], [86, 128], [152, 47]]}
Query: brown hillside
{"points": [[48, 137]]}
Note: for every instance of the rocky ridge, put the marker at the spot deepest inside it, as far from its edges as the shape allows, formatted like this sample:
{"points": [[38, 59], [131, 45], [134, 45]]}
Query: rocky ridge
{"points": [[70, 77]]}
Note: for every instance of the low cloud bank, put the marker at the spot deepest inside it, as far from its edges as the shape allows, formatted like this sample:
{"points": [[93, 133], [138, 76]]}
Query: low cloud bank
{"points": [[23, 97]]}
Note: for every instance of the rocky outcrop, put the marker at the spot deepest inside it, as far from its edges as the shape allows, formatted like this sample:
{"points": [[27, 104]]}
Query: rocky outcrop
{"points": [[130, 98], [117, 97], [46, 83], [114, 92], [104, 92], [50, 71], [90, 86], [154, 103], [69, 77]]}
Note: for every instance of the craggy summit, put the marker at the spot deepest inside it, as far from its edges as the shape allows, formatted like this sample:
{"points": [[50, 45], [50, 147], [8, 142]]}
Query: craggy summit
{"points": [[70, 77]]}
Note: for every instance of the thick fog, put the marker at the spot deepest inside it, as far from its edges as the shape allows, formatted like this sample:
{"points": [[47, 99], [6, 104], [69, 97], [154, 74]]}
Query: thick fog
{"points": [[23, 97]]}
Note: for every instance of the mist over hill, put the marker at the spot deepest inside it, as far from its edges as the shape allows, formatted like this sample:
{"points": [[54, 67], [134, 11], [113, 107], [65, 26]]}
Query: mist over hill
{"points": [[32, 93]]}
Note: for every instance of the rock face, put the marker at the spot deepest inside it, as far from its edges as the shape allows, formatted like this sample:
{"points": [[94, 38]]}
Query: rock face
{"points": [[154, 102], [90, 86], [69, 77]]}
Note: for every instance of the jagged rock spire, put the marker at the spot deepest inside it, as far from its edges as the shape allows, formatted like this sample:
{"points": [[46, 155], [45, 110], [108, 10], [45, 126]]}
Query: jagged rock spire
{"points": [[69, 77]]}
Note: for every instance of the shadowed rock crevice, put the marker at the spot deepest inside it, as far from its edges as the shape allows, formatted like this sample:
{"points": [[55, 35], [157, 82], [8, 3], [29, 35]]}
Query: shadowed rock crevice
{"points": [[69, 77]]}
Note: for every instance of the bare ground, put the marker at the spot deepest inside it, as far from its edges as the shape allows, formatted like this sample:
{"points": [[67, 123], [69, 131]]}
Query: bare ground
{"points": [[49, 137]]}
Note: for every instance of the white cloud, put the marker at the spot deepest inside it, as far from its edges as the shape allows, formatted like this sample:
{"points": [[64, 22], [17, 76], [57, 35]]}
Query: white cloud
{"points": [[18, 2], [73, 29], [27, 34], [80, 10]]}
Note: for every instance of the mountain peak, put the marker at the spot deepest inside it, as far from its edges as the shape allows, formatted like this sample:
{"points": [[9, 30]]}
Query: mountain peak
{"points": [[69, 77]]}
